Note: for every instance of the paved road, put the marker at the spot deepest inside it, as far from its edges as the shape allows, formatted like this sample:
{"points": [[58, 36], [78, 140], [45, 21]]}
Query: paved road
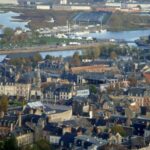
{"points": [[48, 48]]}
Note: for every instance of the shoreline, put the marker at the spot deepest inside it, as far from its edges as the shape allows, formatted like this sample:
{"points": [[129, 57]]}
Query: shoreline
{"points": [[50, 49], [28, 14]]}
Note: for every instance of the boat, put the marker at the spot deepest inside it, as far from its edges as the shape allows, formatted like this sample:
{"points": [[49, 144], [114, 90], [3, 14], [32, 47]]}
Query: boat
{"points": [[81, 32], [103, 30]]}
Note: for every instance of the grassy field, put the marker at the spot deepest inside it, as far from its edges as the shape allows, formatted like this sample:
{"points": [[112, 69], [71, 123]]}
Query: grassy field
{"points": [[40, 41]]}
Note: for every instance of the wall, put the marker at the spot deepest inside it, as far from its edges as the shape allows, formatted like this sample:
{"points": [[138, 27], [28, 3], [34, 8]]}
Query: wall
{"points": [[58, 117], [43, 7]]}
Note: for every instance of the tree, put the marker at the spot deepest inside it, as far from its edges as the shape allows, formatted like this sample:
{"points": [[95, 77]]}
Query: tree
{"points": [[139, 6], [110, 88], [132, 80], [95, 52], [48, 57], [113, 55], [11, 143], [93, 89], [36, 58], [76, 60], [3, 103], [1, 145], [43, 145], [8, 33], [92, 52], [118, 129]]}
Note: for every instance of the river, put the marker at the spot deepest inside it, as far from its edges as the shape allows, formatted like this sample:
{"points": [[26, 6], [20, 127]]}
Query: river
{"points": [[122, 35], [7, 19], [125, 35]]}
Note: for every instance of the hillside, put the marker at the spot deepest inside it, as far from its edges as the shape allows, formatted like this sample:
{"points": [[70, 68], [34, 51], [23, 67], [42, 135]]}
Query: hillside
{"points": [[127, 21]]}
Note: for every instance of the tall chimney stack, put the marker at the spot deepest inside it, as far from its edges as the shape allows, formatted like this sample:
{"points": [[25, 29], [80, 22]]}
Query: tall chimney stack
{"points": [[20, 119]]}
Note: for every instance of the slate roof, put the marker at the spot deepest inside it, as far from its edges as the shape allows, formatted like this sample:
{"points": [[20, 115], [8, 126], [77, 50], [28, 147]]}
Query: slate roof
{"points": [[65, 88], [136, 91], [21, 130], [7, 120], [20, 55], [31, 118], [78, 122], [53, 129], [118, 119], [67, 138]]}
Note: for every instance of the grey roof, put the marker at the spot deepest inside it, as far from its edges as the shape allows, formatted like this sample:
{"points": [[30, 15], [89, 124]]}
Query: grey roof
{"points": [[92, 140], [21, 131], [77, 122], [7, 120], [65, 88], [136, 91], [20, 55]]}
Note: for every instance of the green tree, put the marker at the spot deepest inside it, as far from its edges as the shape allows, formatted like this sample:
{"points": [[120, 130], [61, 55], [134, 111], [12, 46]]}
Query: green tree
{"points": [[93, 89], [139, 6], [8, 34], [11, 144], [48, 57], [43, 145], [1, 145]]}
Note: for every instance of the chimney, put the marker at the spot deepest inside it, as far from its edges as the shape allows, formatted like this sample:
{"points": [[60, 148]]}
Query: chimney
{"points": [[11, 127], [20, 119], [1, 114], [91, 112]]}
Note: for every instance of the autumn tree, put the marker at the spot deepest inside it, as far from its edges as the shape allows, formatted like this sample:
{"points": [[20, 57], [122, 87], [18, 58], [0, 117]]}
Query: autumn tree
{"points": [[113, 147], [76, 60], [3, 103], [110, 88], [92, 52], [132, 80], [37, 57], [113, 55], [118, 129], [39, 145], [95, 53]]}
